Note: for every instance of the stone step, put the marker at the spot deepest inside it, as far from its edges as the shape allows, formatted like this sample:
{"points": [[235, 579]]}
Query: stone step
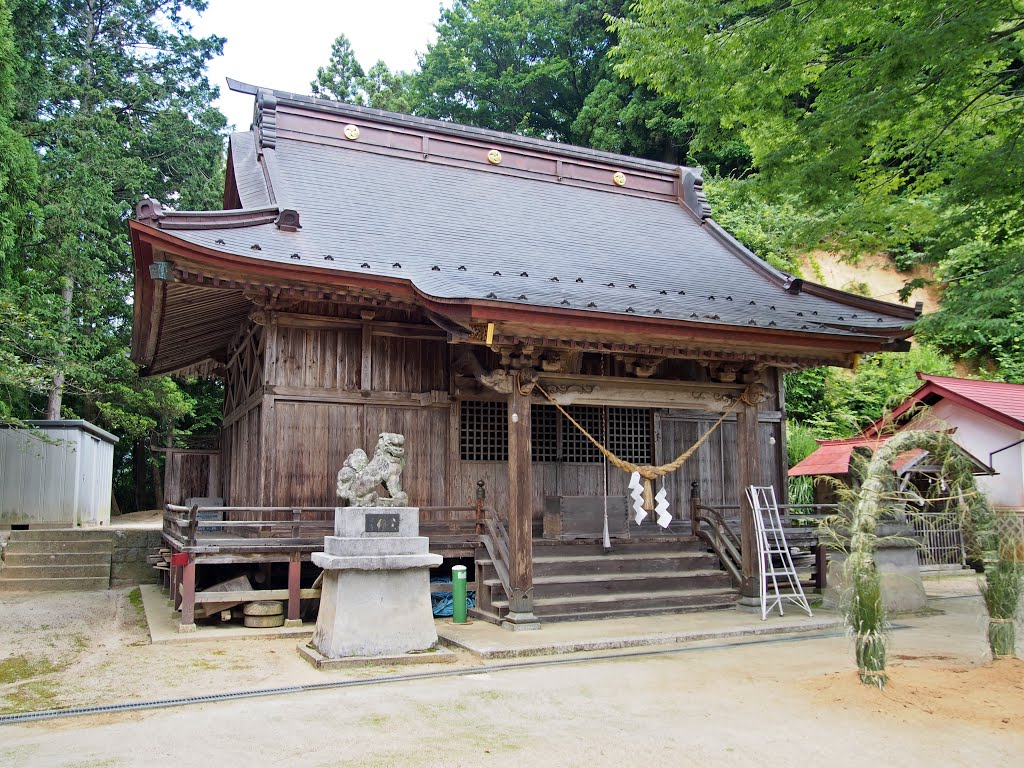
{"points": [[625, 604], [54, 571], [547, 547], [62, 534], [709, 605], [19, 557], [577, 585], [90, 583], [640, 562], [96, 546]]}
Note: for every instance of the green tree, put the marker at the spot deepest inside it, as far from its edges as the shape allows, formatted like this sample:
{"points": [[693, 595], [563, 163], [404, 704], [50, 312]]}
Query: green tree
{"points": [[18, 173], [114, 98], [384, 89], [340, 79], [523, 66], [837, 403], [899, 126]]}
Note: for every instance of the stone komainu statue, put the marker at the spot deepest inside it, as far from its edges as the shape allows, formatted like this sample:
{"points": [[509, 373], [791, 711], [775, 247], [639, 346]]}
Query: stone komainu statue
{"points": [[360, 478]]}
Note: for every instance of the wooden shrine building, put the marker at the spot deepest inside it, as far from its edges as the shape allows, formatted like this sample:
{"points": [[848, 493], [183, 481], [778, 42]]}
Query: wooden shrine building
{"points": [[375, 272]]}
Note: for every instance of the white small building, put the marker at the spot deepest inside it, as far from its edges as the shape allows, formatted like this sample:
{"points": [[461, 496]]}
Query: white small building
{"points": [[56, 474], [988, 422]]}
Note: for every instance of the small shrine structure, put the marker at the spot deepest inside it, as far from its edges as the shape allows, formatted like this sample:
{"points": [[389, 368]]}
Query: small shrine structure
{"points": [[375, 272]]}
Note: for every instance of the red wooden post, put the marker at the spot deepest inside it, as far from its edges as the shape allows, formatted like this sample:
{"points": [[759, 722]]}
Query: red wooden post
{"points": [[520, 513], [188, 596], [178, 560], [294, 574]]}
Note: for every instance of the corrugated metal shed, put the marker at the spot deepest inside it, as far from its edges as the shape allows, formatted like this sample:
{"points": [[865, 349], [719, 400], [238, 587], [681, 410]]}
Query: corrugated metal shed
{"points": [[61, 477]]}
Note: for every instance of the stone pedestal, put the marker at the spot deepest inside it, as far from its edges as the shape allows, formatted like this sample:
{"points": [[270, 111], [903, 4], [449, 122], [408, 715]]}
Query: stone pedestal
{"points": [[375, 599], [898, 565]]}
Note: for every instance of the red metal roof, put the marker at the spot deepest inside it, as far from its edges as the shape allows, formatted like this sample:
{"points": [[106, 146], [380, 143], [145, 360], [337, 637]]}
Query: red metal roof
{"points": [[1004, 402], [833, 457], [996, 400]]}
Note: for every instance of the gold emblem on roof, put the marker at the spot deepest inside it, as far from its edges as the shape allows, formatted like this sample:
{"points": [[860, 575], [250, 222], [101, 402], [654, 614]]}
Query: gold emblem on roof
{"points": [[619, 178], [351, 132], [494, 157]]}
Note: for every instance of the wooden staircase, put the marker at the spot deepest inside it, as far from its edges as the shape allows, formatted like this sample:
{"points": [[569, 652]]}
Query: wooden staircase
{"points": [[576, 581], [54, 560]]}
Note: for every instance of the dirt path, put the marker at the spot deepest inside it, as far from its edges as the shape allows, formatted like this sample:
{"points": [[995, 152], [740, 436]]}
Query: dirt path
{"points": [[776, 703]]}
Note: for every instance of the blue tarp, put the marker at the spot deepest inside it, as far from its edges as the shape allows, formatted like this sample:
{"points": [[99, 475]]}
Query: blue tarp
{"points": [[444, 603]]}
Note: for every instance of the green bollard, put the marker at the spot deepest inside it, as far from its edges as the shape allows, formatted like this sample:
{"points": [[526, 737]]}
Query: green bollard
{"points": [[459, 594]]}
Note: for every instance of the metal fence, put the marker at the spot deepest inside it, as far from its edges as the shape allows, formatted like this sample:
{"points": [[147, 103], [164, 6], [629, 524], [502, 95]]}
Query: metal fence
{"points": [[942, 540], [1010, 529]]}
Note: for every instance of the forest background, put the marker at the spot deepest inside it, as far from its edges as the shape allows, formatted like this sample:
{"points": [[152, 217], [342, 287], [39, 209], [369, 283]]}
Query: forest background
{"points": [[823, 126]]}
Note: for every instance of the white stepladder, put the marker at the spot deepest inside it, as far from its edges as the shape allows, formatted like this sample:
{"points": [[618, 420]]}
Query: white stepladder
{"points": [[772, 549]]}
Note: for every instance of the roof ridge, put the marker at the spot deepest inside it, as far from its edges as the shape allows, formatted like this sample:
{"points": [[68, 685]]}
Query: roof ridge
{"points": [[454, 129]]}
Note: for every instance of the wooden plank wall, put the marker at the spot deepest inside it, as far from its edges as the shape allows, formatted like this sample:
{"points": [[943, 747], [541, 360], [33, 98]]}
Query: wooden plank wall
{"points": [[715, 464], [316, 375], [318, 357], [240, 442], [189, 473]]}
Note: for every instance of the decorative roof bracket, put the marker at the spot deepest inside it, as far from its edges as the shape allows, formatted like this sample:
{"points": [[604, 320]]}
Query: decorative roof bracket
{"points": [[692, 198]]}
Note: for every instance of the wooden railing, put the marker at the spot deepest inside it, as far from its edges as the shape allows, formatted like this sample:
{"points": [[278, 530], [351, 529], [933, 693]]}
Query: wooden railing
{"points": [[710, 526], [282, 527], [495, 541], [719, 527]]}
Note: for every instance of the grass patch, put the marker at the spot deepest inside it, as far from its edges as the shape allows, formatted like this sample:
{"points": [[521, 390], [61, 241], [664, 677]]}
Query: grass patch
{"points": [[33, 696], [374, 720], [490, 695], [135, 598], [24, 668]]}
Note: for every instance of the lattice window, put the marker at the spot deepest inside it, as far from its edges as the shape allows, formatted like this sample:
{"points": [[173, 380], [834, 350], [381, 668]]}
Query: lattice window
{"points": [[575, 447], [629, 434], [544, 433], [483, 431]]}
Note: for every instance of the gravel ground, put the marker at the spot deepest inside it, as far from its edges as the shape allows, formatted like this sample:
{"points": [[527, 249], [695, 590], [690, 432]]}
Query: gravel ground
{"points": [[772, 703]]}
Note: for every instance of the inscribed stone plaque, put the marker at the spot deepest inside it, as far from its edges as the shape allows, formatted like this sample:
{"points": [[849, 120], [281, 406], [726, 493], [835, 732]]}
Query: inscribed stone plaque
{"points": [[382, 523]]}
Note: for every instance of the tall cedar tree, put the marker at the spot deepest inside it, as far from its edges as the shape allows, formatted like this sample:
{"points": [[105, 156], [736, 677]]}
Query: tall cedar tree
{"points": [[114, 98]]}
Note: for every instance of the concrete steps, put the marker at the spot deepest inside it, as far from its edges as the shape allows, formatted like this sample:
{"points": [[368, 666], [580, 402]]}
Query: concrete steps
{"points": [[576, 581], [57, 560]]}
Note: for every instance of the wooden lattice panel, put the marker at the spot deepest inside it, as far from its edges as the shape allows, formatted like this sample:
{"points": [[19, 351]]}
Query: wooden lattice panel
{"points": [[245, 369], [544, 433], [629, 434], [483, 431], [575, 447]]}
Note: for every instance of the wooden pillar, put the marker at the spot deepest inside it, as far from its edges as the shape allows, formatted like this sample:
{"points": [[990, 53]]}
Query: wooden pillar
{"points": [[188, 596], [175, 581], [294, 574], [749, 474], [520, 514]]}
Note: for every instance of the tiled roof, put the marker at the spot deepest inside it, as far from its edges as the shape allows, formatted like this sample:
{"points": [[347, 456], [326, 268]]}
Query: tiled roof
{"points": [[458, 233], [543, 228]]}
